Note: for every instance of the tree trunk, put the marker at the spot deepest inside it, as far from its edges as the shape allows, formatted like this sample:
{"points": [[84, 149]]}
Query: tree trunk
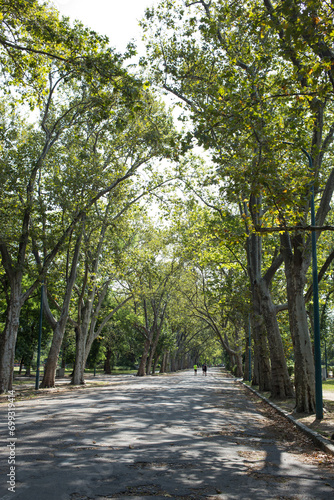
{"points": [[163, 362], [172, 363], [167, 362], [49, 378], [82, 329], [21, 366], [271, 376], [281, 386], [9, 336], [28, 368], [304, 361], [239, 370], [156, 359], [246, 370], [153, 351], [262, 371], [107, 366], [142, 366], [63, 357], [255, 372], [79, 364]]}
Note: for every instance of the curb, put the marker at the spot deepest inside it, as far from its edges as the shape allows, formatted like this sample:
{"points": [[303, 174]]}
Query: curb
{"points": [[323, 443]]}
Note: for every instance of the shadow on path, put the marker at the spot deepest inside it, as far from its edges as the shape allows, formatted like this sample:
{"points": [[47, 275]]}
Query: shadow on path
{"points": [[180, 437]]}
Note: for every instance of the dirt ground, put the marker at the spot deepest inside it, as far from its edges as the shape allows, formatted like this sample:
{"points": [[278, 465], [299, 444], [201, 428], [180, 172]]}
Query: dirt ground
{"points": [[324, 427], [285, 428]]}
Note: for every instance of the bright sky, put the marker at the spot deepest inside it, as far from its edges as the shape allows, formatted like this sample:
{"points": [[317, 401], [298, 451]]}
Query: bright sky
{"points": [[118, 19]]}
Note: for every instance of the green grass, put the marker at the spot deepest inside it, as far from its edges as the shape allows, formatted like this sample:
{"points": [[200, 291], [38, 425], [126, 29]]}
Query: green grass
{"points": [[99, 371], [328, 384], [24, 382], [116, 371], [123, 372]]}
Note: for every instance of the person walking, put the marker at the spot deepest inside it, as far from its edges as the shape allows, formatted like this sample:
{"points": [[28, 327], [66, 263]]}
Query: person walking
{"points": [[195, 369], [204, 369]]}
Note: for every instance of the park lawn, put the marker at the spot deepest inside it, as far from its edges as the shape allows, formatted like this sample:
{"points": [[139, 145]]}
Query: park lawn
{"points": [[117, 371], [328, 385]]}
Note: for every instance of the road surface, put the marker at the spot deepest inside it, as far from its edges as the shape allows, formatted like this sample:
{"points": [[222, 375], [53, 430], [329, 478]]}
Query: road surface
{"points": [[177, 436]]}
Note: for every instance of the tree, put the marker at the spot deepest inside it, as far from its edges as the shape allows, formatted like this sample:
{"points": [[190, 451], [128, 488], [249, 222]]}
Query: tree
{"points": [[59, 325], [152, 272], [72, 93], [251, 78], [27, 338]]}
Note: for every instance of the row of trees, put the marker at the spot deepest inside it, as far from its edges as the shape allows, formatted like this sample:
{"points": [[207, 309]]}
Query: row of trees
{"points": [[82, 139], [256, 82], [228, 247], [78, 133]]}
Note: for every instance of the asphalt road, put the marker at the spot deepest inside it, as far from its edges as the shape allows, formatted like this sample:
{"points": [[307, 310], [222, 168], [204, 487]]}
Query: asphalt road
{"points": [[178, 436]]}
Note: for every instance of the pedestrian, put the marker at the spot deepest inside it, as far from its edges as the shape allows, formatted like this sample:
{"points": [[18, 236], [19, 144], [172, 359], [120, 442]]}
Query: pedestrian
{"points": [[204, 369], [195, 369]]}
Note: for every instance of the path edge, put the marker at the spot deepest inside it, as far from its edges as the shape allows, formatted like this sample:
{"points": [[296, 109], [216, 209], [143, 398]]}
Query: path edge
{"points": [[323, 443]]}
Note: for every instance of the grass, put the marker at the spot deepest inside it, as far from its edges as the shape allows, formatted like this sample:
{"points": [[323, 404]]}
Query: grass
{"points": [[26, 381], [22, 380], [328, 384], [116, 371]]}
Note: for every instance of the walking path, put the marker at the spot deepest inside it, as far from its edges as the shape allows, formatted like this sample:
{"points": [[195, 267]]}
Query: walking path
{"points": [[179, 436]]}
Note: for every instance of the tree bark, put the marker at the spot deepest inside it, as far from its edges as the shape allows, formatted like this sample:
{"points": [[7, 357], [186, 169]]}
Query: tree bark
{"points": [[281, 386], [79, 364], [238, 362], [246, 369], [295, 273], [142, 366], [164, 362], [261, 373], [173, 363], [9, 335], [265, 313], [21, 366], [82, 328], [107, 365], [49, 378], [154, 367], [153, 351]]}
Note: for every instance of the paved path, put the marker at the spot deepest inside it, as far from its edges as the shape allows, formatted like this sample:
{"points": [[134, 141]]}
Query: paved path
{"points": [[181, 437]]}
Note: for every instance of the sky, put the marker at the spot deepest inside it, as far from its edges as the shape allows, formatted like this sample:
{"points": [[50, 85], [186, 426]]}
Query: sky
{"points": [[118, 19]]}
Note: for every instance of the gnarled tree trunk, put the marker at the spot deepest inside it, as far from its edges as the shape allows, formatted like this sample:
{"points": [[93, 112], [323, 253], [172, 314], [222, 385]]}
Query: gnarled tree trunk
{"points": [[261, 375], [281, 386], [49, 378], [9, 335], [295, 272]]}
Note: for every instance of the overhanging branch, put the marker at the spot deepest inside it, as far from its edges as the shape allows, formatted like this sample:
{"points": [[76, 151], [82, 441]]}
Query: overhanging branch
{"points": [[278, 229]]}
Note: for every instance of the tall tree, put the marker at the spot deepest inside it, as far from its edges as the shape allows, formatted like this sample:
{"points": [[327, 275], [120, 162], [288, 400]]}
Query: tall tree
{"points": [[253, 76], [72, 92]]}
